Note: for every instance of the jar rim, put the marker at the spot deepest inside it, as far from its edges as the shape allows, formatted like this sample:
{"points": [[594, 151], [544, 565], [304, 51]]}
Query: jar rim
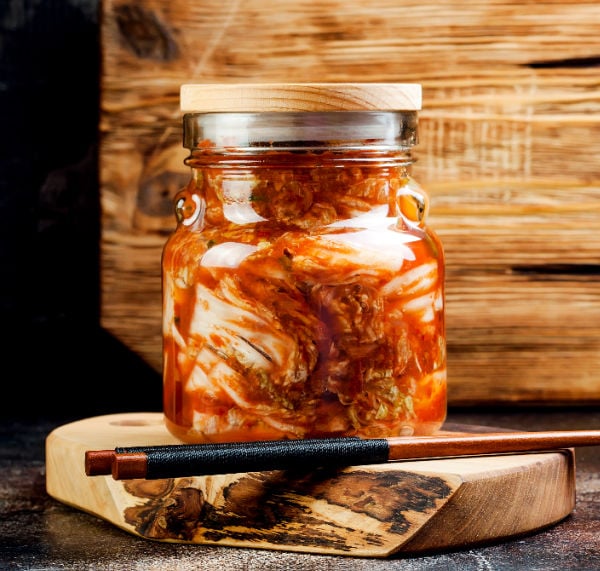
{"points": [[374, 130], [281, 97]]}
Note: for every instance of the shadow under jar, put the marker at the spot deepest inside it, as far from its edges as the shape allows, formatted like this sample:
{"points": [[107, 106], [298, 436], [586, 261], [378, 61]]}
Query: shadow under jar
{"points": [[303, 293]]}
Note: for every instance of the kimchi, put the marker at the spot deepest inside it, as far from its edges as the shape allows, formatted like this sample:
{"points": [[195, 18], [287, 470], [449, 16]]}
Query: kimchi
{"points": [[303, 297]]}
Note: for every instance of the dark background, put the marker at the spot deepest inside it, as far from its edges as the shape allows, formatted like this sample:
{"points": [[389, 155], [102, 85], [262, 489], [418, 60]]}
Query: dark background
{"points": [[56, 359]]}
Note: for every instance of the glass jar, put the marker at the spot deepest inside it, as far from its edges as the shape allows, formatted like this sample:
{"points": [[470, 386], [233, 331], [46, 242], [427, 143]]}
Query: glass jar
{"points": [[303, 293]]}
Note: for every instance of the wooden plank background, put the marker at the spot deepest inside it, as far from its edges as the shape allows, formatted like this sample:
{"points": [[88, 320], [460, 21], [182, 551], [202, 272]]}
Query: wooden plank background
{"points": [[509, 152]]}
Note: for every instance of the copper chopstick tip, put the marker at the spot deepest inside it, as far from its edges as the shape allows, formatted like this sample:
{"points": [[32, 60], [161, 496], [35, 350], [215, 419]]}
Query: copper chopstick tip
{"points": [[129, 466], [99, 462]]}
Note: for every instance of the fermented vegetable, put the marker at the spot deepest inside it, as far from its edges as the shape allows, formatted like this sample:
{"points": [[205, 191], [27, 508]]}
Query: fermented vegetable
{"points": [[303, 297]]}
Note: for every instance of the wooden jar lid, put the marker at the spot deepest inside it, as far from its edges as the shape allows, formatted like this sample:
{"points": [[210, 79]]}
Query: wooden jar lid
{"points": [[264, 97]]}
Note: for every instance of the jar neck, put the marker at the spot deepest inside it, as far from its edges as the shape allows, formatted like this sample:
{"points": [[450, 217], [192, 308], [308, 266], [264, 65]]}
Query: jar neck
{"points": [[368, 132]]}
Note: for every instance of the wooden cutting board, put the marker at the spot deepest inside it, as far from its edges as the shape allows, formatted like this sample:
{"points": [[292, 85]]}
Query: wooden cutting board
{"points": [[363, 511]]}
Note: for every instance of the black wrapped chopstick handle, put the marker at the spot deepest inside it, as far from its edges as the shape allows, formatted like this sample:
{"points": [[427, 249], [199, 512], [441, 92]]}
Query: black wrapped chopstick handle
{"points": [[265, 455], [206, 459]]}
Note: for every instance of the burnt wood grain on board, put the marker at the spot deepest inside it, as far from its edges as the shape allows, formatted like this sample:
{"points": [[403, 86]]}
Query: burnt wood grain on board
{"points": [[509, 147]]}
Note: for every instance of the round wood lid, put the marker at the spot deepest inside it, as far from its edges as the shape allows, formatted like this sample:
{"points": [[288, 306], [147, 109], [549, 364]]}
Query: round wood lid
{"points": [[264, 97]]}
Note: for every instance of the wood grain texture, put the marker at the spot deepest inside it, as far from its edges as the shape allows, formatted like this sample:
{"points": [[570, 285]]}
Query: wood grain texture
{"points": [[509, 146], [261, 97], [363, 511]]}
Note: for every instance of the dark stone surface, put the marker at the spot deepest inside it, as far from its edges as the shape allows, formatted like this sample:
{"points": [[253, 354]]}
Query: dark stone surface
{"points": [[37, 532]]}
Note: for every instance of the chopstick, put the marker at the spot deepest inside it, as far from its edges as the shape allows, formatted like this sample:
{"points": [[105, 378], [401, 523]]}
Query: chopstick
{"points": [[180, 460]]}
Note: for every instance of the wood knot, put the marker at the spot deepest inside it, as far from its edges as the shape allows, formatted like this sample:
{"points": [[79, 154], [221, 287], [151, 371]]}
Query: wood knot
{"points": [[145, 34]]}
